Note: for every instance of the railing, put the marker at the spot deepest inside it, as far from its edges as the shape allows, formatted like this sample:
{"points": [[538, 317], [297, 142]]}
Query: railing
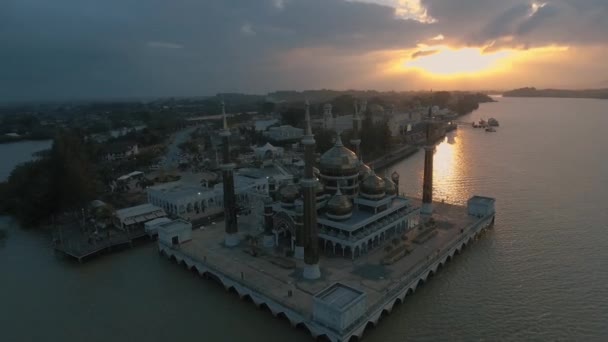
{"points": [[405, 281], [243, 282]]}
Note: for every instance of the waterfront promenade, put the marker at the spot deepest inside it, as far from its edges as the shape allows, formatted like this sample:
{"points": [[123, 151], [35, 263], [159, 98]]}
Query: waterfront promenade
{"points": [[285, 293]]}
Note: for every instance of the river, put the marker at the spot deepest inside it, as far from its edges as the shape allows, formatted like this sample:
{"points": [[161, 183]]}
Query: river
{"points": [[540, 274]]}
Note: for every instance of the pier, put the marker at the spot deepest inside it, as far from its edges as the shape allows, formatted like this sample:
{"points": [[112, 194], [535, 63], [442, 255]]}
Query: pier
{"points": [[79, 245], [286, 294]]}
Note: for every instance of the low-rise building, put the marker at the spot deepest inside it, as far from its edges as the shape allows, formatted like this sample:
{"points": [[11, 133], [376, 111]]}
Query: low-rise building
{"points": [[135, 217], [175, 232], [119, 151], [284, 133]]}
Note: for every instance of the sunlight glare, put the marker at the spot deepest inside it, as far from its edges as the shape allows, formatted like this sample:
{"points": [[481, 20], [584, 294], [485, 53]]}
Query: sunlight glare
{"points": [[455, 62]]}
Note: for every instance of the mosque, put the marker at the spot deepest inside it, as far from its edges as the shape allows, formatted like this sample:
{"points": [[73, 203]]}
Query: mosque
{"points": [[332, 215], [356, 209]]}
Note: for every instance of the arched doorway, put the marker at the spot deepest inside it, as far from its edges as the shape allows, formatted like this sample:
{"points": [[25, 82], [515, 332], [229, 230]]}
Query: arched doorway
{"points": [[284, 230]]}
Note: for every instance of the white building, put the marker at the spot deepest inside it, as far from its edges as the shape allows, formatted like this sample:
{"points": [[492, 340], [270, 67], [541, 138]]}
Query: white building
{"points": [[175, 233], [339, 306], [191, 201], [268, 152], [262, 125], [151, 227], [284, 133], [185, 200]]}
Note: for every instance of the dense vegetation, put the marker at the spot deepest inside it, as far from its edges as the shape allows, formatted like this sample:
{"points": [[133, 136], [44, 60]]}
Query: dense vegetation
{"points": [[533, 92], [63, 180]]}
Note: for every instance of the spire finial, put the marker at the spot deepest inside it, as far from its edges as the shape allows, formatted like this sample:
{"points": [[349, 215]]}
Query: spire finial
{"points": [[307, 119], [224, 115], [339, 139], [338, 191]]}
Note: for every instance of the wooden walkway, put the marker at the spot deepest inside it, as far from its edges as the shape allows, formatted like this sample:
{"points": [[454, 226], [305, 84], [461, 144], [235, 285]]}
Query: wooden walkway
{"points": [[79, 245]]}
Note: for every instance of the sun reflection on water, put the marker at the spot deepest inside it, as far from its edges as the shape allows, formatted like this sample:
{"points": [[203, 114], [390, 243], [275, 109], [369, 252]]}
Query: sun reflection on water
{"points": [[449, 171]]}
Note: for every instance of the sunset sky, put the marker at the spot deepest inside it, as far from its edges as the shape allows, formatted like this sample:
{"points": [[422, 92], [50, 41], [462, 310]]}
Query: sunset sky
{"points": [[66, 49]]}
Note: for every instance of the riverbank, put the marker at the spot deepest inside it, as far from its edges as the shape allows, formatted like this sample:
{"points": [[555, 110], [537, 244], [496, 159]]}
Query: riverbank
{"points": [[393, 157]]}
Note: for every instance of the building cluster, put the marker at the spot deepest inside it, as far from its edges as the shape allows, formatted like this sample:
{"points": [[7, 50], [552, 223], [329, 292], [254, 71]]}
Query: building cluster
{"points": [[342, 208]]}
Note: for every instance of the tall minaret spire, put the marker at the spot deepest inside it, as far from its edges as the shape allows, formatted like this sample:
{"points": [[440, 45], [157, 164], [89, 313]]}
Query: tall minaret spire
{"points": [[307, 119], [231, 237], [224, 119], [310, 229], [356, 138], [427, 187]]}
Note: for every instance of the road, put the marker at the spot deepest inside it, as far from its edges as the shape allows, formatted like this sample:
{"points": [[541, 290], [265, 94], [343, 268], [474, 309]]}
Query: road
{"points": [[172, 157]]}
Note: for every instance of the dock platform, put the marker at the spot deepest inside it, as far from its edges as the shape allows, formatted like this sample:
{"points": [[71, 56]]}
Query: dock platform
{"points": [[80, 245], [285, 293]]}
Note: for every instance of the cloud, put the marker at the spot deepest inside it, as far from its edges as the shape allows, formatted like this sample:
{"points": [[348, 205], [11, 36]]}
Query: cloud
{"points": [[422, 53], [247, 30], [164, 45], [88, 48]]}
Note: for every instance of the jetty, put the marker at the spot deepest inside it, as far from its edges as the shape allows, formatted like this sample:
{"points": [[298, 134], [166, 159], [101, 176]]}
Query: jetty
{"points": [[351, 295], [80, 245]]}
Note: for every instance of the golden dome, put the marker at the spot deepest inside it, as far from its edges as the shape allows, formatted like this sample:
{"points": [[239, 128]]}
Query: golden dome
{"points": [[339, 206], [390, 188], [339, 158], [364, 170], [373, 186], [289, 193]]}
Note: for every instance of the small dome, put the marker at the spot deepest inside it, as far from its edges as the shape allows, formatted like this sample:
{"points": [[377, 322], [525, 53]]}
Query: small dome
{"points": [[373, 186], [339, 206], [339, 159], [390, 188], [289, 193], [364, 170], [319, 188]]}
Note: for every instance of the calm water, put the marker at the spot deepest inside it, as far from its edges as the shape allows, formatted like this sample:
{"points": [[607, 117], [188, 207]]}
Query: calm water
{"points": [[540, 274]]}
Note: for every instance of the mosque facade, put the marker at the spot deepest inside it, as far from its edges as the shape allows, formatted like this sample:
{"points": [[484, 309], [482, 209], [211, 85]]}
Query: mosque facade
{"points": [[355, 210]]}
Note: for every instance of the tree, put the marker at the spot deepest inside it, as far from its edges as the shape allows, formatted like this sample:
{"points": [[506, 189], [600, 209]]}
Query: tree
{"points": [[324, 139], [441, 98], [293, 116]]}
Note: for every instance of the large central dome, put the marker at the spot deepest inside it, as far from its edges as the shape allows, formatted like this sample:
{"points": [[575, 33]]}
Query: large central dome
{"points": [[339, 159]]}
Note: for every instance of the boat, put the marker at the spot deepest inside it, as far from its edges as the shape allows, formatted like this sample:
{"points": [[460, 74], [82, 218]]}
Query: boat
{"points": [[482, 124], [493, 122], [490, 129]]}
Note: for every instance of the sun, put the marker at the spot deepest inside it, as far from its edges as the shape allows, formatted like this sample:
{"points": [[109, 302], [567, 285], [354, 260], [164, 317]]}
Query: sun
{"points": [[449, 62]]}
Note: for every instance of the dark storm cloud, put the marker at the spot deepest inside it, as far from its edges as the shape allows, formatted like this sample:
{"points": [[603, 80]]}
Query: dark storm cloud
{"points": [[111, 48], [484, 22], [79, 48]]}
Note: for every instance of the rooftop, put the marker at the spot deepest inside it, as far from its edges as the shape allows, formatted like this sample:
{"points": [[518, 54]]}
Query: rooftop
{"points": [[139, 210], [482, 199], [360, 218], [179, 190], [339, 295], [175, 226]]}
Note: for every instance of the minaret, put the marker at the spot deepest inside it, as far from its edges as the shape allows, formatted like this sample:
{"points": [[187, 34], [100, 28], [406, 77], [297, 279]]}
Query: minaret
{"points": [[427, 187], [356, 139], [310, 229], [328, 117], [231, 237], [268, 223], [395, 177], [298, 251]]}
